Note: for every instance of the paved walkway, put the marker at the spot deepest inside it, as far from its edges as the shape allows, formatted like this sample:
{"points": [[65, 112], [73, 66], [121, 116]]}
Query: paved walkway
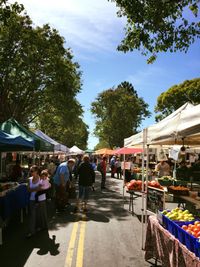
{"points": [[108, 235]]}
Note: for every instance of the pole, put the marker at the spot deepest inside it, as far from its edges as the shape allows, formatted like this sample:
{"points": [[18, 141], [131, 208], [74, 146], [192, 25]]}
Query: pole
{"points": [[143, 192], [146, 189], [1, 166], [123, 177]]}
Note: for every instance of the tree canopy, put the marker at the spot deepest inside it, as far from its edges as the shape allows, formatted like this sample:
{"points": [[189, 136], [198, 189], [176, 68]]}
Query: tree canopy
{"points": [[176, 96], [39, 78], [118, 112], [154, 26]]}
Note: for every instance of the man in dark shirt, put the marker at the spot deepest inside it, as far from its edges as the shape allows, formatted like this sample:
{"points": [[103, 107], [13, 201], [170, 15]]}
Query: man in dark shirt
{"points": [[86, 176]]}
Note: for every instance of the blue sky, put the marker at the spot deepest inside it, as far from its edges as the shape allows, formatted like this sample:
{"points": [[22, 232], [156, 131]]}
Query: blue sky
{"points": [[93, 31]]}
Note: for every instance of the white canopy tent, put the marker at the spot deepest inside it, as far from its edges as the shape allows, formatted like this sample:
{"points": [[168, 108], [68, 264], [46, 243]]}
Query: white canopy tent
{"points": [[166, 127], [180, 127], [75, 151], [184, 128]]}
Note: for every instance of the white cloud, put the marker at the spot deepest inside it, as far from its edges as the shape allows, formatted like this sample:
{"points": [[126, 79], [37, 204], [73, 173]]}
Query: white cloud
{"points": [[148, 76], [90, 25]]}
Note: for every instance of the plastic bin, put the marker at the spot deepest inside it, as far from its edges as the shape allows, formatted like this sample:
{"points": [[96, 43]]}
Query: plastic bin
{"points": [[191, 242], [170, 225]]}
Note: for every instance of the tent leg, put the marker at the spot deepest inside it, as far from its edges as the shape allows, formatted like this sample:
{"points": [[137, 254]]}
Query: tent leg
{"points": [[1, 166], [1, 239], [143, 192], [124, 180]]}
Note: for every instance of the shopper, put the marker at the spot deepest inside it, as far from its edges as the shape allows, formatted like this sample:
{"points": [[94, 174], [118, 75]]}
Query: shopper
{"points": [[86, 177], [61, 181], [103, 165], [38, 212]]}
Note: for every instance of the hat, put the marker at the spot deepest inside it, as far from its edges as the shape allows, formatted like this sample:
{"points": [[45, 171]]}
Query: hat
{"points": [[71, 160]]}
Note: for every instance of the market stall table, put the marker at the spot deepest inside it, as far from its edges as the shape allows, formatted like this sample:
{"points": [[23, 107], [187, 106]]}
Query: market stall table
{"points": [[161, 245], [14, 200]]}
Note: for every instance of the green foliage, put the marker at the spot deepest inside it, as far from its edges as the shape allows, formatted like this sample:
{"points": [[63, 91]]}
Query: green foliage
{"points": [[118, 114], [39, 80], [176, 96], [154, 26]]}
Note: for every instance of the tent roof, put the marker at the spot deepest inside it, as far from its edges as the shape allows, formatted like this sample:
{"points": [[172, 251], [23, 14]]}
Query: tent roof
{"points": [[14, 143], [75, 150], [127, 150], [57, 146], [185, 126], [12, 127], [165, 128], [106, 151]]}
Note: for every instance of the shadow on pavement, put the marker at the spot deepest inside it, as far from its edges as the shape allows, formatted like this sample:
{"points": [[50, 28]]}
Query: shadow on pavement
{"points": [[16, 249], [103, 206]]}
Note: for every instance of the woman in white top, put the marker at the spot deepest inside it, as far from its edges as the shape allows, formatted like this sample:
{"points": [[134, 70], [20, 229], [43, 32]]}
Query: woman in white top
{"points": [[38, 213]]}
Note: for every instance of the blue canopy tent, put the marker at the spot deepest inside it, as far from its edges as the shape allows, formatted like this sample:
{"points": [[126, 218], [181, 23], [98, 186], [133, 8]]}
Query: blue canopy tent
{"points": [[57, 146], [10, 142]]}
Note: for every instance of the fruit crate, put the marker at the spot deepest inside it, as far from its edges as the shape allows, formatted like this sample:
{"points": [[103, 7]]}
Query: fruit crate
{"points": [[191, 242], [178, 192], [174, 227], [165, 182], [170, 225]]}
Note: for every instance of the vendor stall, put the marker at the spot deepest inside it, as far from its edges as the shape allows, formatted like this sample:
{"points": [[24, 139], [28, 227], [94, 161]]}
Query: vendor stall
{"points": [[162, 245], [180, 127]]}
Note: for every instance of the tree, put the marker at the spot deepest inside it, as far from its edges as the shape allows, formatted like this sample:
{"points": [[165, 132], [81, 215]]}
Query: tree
{"points": [[154, 26], [118, 114], [176, 96], [38, 76]]}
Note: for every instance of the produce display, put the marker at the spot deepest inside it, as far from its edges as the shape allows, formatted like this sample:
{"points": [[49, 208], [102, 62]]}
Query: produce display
{"points": [[178, 214], [192, 229], [136, 185], [178, 190], [169, 180]]}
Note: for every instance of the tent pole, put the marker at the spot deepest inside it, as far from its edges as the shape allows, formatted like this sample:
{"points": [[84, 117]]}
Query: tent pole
{"points": [[143, 192], [123, 178], [1, 166], [146, 189]]}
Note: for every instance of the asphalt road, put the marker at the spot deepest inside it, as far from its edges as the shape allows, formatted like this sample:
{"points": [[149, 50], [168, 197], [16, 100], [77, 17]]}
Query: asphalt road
{"points": [[106, 236]]}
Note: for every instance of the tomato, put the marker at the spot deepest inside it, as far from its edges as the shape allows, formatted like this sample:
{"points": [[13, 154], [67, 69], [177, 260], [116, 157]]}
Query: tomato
{"points": [[196, 230], [196, 222], [185, 227], [189, 231]]}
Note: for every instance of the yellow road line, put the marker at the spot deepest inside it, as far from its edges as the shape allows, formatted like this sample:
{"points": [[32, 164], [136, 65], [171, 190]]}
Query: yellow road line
{"points": [[68, 260], [79, 258]]}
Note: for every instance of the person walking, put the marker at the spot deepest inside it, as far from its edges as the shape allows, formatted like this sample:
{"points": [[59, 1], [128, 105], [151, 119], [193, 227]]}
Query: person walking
{"points": [[118, 168], [103, 165], [38, 212], [86, 177], [112, 166], [61, 181]]}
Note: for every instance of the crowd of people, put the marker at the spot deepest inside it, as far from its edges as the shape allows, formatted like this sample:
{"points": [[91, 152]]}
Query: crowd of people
{"points": [[60, 178]]}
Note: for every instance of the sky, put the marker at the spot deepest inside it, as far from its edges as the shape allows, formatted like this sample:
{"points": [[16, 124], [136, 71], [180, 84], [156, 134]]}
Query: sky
{"points": [[93, 31]]}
